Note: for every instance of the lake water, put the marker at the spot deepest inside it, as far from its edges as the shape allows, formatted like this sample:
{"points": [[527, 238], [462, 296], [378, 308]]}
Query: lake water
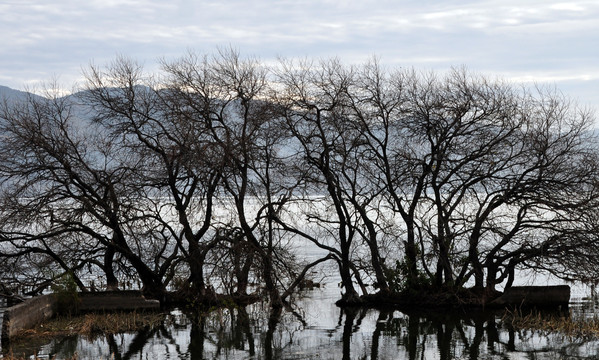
{"points": [[318, 329]]}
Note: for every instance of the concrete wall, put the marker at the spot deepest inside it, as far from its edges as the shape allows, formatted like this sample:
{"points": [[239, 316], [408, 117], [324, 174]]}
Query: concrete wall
{"points": [[541, 296], [34, 311], [27, 315], [116, 300]]}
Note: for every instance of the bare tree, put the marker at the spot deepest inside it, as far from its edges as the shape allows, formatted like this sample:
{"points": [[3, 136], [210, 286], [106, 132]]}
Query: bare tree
{"points": [[316, 101], [66, 192], [209, 169], [164, 125]]}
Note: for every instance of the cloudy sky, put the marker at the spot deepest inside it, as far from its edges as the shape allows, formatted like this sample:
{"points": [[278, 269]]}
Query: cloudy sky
{"points": [[545, 41]]}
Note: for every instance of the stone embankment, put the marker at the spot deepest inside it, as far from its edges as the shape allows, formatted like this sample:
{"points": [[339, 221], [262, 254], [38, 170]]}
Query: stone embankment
{"points": [[42, 308]]}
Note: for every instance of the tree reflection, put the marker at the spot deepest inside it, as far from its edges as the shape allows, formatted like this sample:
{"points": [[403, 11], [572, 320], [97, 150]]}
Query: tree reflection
{"points": [[447, 335], [197, 335], [354, 333], [350, 315], [380, 324], [243, 332]]}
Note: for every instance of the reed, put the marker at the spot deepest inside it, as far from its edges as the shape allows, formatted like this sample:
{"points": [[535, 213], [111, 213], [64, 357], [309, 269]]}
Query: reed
{"points": [[564, 324], [11, 356], [93, 324]]}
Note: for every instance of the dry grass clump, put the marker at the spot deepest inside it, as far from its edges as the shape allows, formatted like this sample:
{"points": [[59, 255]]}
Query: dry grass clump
{"points": [[553, 323], [95, 324], [118, 322], [10, 356]]}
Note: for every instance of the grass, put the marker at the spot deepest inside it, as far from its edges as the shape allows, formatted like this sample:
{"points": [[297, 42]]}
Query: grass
{"points": [[553, 323], [94, 324], [22, 357]]}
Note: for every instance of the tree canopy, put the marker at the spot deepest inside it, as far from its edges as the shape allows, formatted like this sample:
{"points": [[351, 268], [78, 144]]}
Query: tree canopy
{"points": [[216, 173]]}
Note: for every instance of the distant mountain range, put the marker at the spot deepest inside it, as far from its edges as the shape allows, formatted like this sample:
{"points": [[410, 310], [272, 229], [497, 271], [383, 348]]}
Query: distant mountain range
{"points": [[7, 92], [10, 95]]}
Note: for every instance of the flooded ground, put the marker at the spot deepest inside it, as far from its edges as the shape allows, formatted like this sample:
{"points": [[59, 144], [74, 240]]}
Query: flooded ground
{"points": [[317, 329]]}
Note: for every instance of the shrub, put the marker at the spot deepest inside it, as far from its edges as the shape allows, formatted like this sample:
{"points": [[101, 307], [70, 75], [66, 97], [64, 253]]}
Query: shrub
{"points": [[66, 295]]}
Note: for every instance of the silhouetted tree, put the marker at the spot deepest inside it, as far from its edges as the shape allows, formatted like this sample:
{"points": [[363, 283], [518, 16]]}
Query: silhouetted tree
{"points": [[210, 169]]}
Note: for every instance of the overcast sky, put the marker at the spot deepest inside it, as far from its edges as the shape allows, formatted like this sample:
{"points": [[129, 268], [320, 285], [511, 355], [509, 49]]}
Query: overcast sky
{"points": [[546, 41]]}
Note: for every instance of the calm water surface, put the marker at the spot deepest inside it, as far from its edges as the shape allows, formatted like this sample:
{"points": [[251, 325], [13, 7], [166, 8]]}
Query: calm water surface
{"points": [[317, 329]]}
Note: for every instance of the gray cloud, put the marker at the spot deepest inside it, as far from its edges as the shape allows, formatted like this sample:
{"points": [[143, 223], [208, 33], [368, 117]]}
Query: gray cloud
{"points": [[540, 40]]}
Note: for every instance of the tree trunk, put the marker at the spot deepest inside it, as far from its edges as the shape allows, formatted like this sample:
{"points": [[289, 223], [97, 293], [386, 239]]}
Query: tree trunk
{"points": [[351, 294], [411, 254], [112, 282], [196, 268], [242, 272], [476, 265]]}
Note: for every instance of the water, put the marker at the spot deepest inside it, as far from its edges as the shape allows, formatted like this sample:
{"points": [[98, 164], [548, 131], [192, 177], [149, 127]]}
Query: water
{"points": [[317, 329], [2, 307]]}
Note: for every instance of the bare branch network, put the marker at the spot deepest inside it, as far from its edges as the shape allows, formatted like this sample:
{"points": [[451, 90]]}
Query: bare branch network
{"points": [[219, 174]]}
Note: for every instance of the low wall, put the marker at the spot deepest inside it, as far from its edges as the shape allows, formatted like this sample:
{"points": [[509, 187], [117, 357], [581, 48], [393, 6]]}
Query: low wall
{"points": [[115, 301], [34, 311], [541, 296], [27, 314]]}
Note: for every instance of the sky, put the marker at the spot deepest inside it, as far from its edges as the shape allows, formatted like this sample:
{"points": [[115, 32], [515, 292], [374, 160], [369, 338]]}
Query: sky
{"points": [[531, 41]]}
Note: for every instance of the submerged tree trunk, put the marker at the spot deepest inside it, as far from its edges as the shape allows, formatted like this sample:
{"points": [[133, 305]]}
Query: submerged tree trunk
{"points": [[411, 255], [196, 260], [243, 258], [112, 282]]}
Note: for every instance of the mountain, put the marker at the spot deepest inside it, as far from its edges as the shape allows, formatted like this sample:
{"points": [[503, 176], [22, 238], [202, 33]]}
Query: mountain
{"points": [[12, 95]]}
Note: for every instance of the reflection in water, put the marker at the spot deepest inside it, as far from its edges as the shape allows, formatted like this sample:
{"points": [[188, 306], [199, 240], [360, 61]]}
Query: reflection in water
{"points": [[317, 328]]}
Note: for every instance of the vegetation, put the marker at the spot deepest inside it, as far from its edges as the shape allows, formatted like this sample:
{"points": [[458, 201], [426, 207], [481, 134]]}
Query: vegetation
{"points": [[198, 180], [94, 324], [90, 326], [17, 357], [553, 323], [67, 296]]}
